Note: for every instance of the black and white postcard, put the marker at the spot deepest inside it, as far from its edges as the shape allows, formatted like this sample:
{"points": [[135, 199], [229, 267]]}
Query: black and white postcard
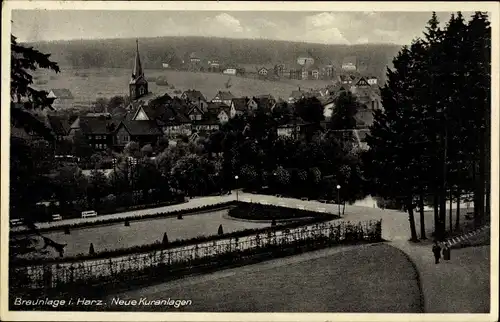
{"points": [[161, 159]]}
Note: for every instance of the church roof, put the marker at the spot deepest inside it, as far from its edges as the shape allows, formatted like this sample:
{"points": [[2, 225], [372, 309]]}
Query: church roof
{"points": [[137, 72]]}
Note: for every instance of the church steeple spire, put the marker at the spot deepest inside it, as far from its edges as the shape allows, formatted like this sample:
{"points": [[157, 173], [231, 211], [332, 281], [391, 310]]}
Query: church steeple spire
{"points": [[138, 85], [137, 71]]}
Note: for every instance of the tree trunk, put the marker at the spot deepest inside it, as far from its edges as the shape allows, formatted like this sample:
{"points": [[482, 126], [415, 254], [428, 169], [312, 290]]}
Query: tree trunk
{"points": [[411, 218], [482, 177], [422, 217], [343, 208], [451, 210], [457, 223], [436, 215]]}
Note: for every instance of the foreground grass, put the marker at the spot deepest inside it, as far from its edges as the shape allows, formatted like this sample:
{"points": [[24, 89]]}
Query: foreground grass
{"points": [[376, 278]]}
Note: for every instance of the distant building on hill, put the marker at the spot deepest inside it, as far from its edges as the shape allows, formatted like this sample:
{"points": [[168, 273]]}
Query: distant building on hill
{"points": [[349, 64], [305, 59]]}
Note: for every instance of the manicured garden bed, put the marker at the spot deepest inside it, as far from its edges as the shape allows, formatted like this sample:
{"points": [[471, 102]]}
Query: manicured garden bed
{"points": [[255, 211]]}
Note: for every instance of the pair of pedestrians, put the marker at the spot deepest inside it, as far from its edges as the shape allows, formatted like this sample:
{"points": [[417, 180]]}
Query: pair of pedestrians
{"points": [[436, 250]]}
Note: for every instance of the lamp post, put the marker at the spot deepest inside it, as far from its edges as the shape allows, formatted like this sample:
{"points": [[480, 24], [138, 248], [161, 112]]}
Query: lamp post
{"points": [[114, 174], [338, 197], [236, 178]]}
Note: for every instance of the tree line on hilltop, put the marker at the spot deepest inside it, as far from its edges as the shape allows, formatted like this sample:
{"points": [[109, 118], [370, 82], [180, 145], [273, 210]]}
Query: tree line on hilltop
{"points": [[120, 53]]}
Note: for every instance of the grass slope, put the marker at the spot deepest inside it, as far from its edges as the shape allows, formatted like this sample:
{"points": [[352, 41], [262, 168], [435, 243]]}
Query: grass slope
{"points": [[375, 279]]}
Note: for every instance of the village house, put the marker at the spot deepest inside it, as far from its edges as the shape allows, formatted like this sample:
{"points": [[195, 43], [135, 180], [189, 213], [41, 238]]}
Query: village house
{"points": [[279, 70], [230, 71], [195, 113], [60, 126], [328, 71], [142, 132], [194, 58], [310, 72], [62, 98], [214, 66], [293, 129], [238, 106], [263, 72], [269, 97], [305, 60], [372, 80], [296, 95], [196, 98], [98, 131], [295, 72], [223, 97], [221, 111], [346, 79], [349, 63]]}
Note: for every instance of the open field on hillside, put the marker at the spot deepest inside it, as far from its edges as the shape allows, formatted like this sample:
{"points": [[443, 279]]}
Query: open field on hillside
{"points": [[87, 85]]}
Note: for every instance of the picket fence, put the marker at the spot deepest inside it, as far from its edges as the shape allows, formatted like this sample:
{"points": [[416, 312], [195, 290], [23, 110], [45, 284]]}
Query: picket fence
{"points": [[144, 265]]}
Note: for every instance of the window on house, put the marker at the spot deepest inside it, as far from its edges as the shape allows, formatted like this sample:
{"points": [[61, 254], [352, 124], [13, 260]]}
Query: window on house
{"points": [[141, 90], [198, 117], [192, 117], [90, 137]]}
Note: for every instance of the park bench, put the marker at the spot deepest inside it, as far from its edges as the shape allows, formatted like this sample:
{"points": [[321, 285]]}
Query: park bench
{"points": [[469, 215], [56, 217], [304, 199], [301, 207], [90, 213], [16, 222]]}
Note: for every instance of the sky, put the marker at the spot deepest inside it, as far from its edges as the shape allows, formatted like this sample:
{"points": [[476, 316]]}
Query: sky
{"points": [[314, 27]]}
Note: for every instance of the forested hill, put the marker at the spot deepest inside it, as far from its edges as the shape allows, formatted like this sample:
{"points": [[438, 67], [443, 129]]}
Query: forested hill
{"points": [[116, 53]]}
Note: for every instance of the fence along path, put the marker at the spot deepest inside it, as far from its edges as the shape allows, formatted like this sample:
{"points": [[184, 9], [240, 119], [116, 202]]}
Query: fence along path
{"points": [[54, 274]]}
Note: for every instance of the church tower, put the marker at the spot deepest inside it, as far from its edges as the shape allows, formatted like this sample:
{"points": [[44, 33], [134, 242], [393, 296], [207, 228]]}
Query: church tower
{"points": [[138, 85]]}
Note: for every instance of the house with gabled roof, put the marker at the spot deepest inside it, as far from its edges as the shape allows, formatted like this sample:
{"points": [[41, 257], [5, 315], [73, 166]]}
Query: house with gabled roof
{"points": [[238, 106], [223, 97], [59, 125], [60, 93], [221, 111], [362, 83], [142, 132], [264, 104], [195, 97], [98, 131], [296, 95], [372, 80], [349, 63], [295, 72], [305, 59]]}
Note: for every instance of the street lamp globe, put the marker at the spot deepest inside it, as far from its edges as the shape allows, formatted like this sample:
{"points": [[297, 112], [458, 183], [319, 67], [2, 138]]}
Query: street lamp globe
{"points": [[338, 186], [236, 177]]}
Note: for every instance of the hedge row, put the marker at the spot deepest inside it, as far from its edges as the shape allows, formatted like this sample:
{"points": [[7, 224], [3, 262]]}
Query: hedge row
{"points": [[163, 272], [131, 218], [173, 244], [255, 211]]}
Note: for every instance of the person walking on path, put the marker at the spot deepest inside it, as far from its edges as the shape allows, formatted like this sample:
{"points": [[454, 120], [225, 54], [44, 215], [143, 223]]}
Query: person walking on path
{"points": [[437, 252]]}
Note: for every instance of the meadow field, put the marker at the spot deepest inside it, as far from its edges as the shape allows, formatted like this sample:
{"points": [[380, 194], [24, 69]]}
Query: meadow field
{"points": [[87, 85]]}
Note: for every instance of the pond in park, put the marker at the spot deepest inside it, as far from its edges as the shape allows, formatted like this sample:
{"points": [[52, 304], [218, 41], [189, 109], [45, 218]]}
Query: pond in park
{"points": [[146, 231]]}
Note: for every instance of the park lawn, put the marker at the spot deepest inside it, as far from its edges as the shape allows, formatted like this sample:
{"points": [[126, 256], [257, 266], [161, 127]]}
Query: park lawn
{"points": [[147, 231], [372, 278]]}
